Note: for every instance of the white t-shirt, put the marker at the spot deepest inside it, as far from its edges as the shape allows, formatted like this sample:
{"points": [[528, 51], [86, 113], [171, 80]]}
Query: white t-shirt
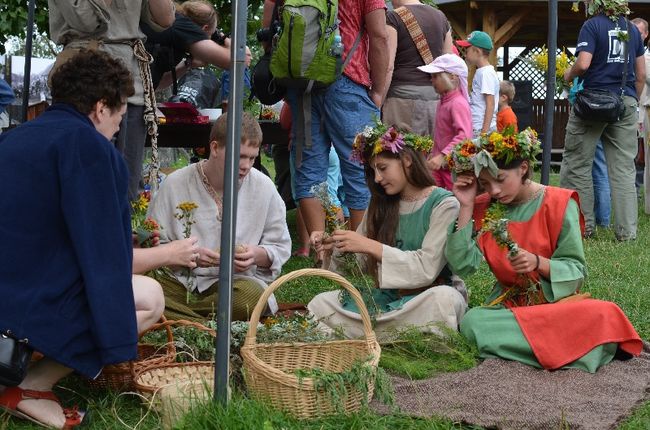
{"points": [[485, 81]]}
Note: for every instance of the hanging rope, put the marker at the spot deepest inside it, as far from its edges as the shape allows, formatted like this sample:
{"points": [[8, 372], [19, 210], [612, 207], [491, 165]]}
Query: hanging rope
{"points": [[144, 59]]}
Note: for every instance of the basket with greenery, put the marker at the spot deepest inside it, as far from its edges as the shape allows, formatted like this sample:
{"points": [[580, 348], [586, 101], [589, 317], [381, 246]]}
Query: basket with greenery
{"points": [[312, 379]]}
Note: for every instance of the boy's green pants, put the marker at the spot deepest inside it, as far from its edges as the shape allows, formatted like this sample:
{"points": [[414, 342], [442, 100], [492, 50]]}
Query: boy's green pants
{"points": [[203, 306]]}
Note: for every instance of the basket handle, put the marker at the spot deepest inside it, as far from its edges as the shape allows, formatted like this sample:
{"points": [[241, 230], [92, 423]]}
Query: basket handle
{"points": [[162, 324], [261, 304], [168, 323]]}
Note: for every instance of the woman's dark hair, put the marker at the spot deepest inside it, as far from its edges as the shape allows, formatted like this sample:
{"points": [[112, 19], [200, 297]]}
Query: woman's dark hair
{"points": [[514, 164], [89, 77], [382, 216]]}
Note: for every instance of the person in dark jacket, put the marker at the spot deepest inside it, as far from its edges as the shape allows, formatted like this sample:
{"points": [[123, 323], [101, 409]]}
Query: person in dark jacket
{"points": [[65, 238]]}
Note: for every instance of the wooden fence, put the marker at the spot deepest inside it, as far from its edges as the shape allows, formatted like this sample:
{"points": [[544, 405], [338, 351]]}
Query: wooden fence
{"points": [[560, 120]]}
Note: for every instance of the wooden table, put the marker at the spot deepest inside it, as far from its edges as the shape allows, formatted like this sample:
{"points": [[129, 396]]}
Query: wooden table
{"points": [[198, 135]]}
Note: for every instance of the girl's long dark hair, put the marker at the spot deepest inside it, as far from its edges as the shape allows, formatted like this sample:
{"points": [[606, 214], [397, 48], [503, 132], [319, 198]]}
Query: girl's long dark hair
{"points": [[382, 216]]}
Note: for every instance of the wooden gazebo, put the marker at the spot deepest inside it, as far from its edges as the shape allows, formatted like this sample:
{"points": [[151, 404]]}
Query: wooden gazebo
{"points": [[524, 23]]}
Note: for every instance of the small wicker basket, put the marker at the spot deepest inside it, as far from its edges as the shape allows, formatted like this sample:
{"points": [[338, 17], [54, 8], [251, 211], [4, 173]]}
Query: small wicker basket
{"points": [[269, 368], [150, 378], [119, 376], [173, 388]]}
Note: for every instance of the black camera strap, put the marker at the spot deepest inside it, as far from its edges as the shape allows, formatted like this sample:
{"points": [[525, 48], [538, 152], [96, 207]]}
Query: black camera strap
{"points": [[626, 52]]}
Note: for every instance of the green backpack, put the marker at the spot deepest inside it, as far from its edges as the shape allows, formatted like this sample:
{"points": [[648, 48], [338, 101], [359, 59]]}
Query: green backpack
{"points": [[302, 55], [305, 55]]}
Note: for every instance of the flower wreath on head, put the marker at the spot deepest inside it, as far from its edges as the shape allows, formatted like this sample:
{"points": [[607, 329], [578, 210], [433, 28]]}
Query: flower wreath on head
{"points": [[483, 152], [612, 8], [373, 140]]}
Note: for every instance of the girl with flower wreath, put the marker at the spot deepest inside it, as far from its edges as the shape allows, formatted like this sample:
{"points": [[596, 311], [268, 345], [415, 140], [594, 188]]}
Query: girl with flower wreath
{"points": [[399, 243], [530, 235]]}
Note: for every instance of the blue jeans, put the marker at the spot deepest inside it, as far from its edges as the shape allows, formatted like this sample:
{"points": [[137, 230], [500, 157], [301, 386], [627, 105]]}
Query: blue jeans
{"points": [[602, 197], [338, 113]]}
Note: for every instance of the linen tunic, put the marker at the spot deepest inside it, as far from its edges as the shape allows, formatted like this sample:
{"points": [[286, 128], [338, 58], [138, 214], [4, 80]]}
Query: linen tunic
{"points": [[496, 329], [418, 264], [261, 220], [65, 242], [74, 23]]}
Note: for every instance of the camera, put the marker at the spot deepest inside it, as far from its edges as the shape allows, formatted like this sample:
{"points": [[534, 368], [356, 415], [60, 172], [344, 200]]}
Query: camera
{"points": [[219, 37], [267, 34]]}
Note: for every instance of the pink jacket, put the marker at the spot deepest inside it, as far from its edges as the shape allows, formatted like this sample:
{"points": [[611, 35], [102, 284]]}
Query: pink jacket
{"points": [[453, 122]]}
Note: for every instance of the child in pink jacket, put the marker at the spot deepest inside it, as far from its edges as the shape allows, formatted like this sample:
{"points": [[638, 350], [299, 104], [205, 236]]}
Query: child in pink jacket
{"points": [[453, 117]]}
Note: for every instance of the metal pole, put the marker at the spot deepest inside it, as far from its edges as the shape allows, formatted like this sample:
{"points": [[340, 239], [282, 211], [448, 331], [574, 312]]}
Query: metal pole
{"points": [[228, 226], [27, 71], [549, 106]]}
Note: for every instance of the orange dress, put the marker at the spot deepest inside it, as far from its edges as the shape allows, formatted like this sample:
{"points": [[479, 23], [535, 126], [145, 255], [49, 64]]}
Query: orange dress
{"points": [[552, 334]]}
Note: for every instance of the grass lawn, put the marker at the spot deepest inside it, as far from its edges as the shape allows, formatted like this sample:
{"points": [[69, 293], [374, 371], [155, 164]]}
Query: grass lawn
{"points": [[619, 272]]}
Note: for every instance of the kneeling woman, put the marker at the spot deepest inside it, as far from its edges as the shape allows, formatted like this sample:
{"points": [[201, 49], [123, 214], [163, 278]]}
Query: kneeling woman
{"points": [[401, 240], [534, 314], [65, 238]]}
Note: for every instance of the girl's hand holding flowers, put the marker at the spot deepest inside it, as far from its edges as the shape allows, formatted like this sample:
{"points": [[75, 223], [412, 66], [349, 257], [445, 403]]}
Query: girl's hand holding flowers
{"points": [[351, 241], [320, 243], [523, 261]]}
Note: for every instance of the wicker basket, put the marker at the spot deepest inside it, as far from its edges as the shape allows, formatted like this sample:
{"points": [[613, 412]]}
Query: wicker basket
{"points": [[269, 368], [152, 377], [149, 380], [120, 376], [172, 388]]}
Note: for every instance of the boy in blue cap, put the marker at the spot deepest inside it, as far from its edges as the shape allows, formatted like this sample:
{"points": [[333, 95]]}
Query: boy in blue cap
{"points": [[485, 85]]}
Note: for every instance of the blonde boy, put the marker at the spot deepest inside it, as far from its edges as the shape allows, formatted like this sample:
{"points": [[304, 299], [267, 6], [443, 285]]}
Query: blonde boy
{"points": [[263, 240], [485, 85], [506, 116]]}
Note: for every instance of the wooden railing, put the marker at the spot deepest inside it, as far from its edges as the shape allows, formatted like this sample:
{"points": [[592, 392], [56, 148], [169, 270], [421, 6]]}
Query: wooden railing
{"points": [[560, 119]]}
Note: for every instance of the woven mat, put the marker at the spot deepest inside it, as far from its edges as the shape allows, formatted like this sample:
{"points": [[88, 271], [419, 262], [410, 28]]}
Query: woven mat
{"points": [[509, 395]]}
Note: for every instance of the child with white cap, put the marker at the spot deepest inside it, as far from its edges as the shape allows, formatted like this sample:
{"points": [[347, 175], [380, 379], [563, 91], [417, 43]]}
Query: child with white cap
{"points": [[453, 118]]}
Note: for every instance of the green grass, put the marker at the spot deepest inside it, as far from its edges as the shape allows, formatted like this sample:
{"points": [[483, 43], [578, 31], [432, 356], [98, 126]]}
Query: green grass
{"points": [[617, 271]]}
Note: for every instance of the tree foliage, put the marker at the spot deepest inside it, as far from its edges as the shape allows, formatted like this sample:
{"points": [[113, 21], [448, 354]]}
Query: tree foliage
{"points": [[13, 18]]}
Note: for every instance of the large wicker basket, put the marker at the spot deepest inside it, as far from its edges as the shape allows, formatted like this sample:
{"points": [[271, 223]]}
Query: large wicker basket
{"points": [[269, 369], [120, 376]]}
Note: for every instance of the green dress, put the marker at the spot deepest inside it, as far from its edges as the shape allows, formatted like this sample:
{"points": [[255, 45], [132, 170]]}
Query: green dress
{"points": [[412, 228], [494, 329]]}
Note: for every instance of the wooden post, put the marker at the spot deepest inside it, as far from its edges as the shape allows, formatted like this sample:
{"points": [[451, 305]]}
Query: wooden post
{"points": [[490, 27], [469, 27]]}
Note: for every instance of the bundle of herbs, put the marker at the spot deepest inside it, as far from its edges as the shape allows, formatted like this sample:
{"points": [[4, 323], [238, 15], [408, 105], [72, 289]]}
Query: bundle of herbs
{"points": [[337, 386], [418, 355]]}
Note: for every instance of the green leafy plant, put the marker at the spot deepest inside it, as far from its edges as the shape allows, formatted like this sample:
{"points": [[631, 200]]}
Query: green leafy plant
{"points": [[336, 386]]}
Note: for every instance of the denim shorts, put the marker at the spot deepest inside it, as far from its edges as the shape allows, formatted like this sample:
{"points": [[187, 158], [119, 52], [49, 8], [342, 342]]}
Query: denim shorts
{"points": [[338, 114], [334, 180]]}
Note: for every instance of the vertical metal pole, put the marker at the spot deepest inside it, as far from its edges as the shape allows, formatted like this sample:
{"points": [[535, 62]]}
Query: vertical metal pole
{"points": [[229, 218], [28, 58], [549, 106]]}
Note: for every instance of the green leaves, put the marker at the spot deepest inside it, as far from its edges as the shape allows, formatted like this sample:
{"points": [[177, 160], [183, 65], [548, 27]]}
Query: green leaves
{"points": [[13, 20]]}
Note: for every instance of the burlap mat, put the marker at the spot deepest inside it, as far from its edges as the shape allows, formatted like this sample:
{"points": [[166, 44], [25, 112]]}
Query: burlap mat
{"points": [[510, 395]]}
